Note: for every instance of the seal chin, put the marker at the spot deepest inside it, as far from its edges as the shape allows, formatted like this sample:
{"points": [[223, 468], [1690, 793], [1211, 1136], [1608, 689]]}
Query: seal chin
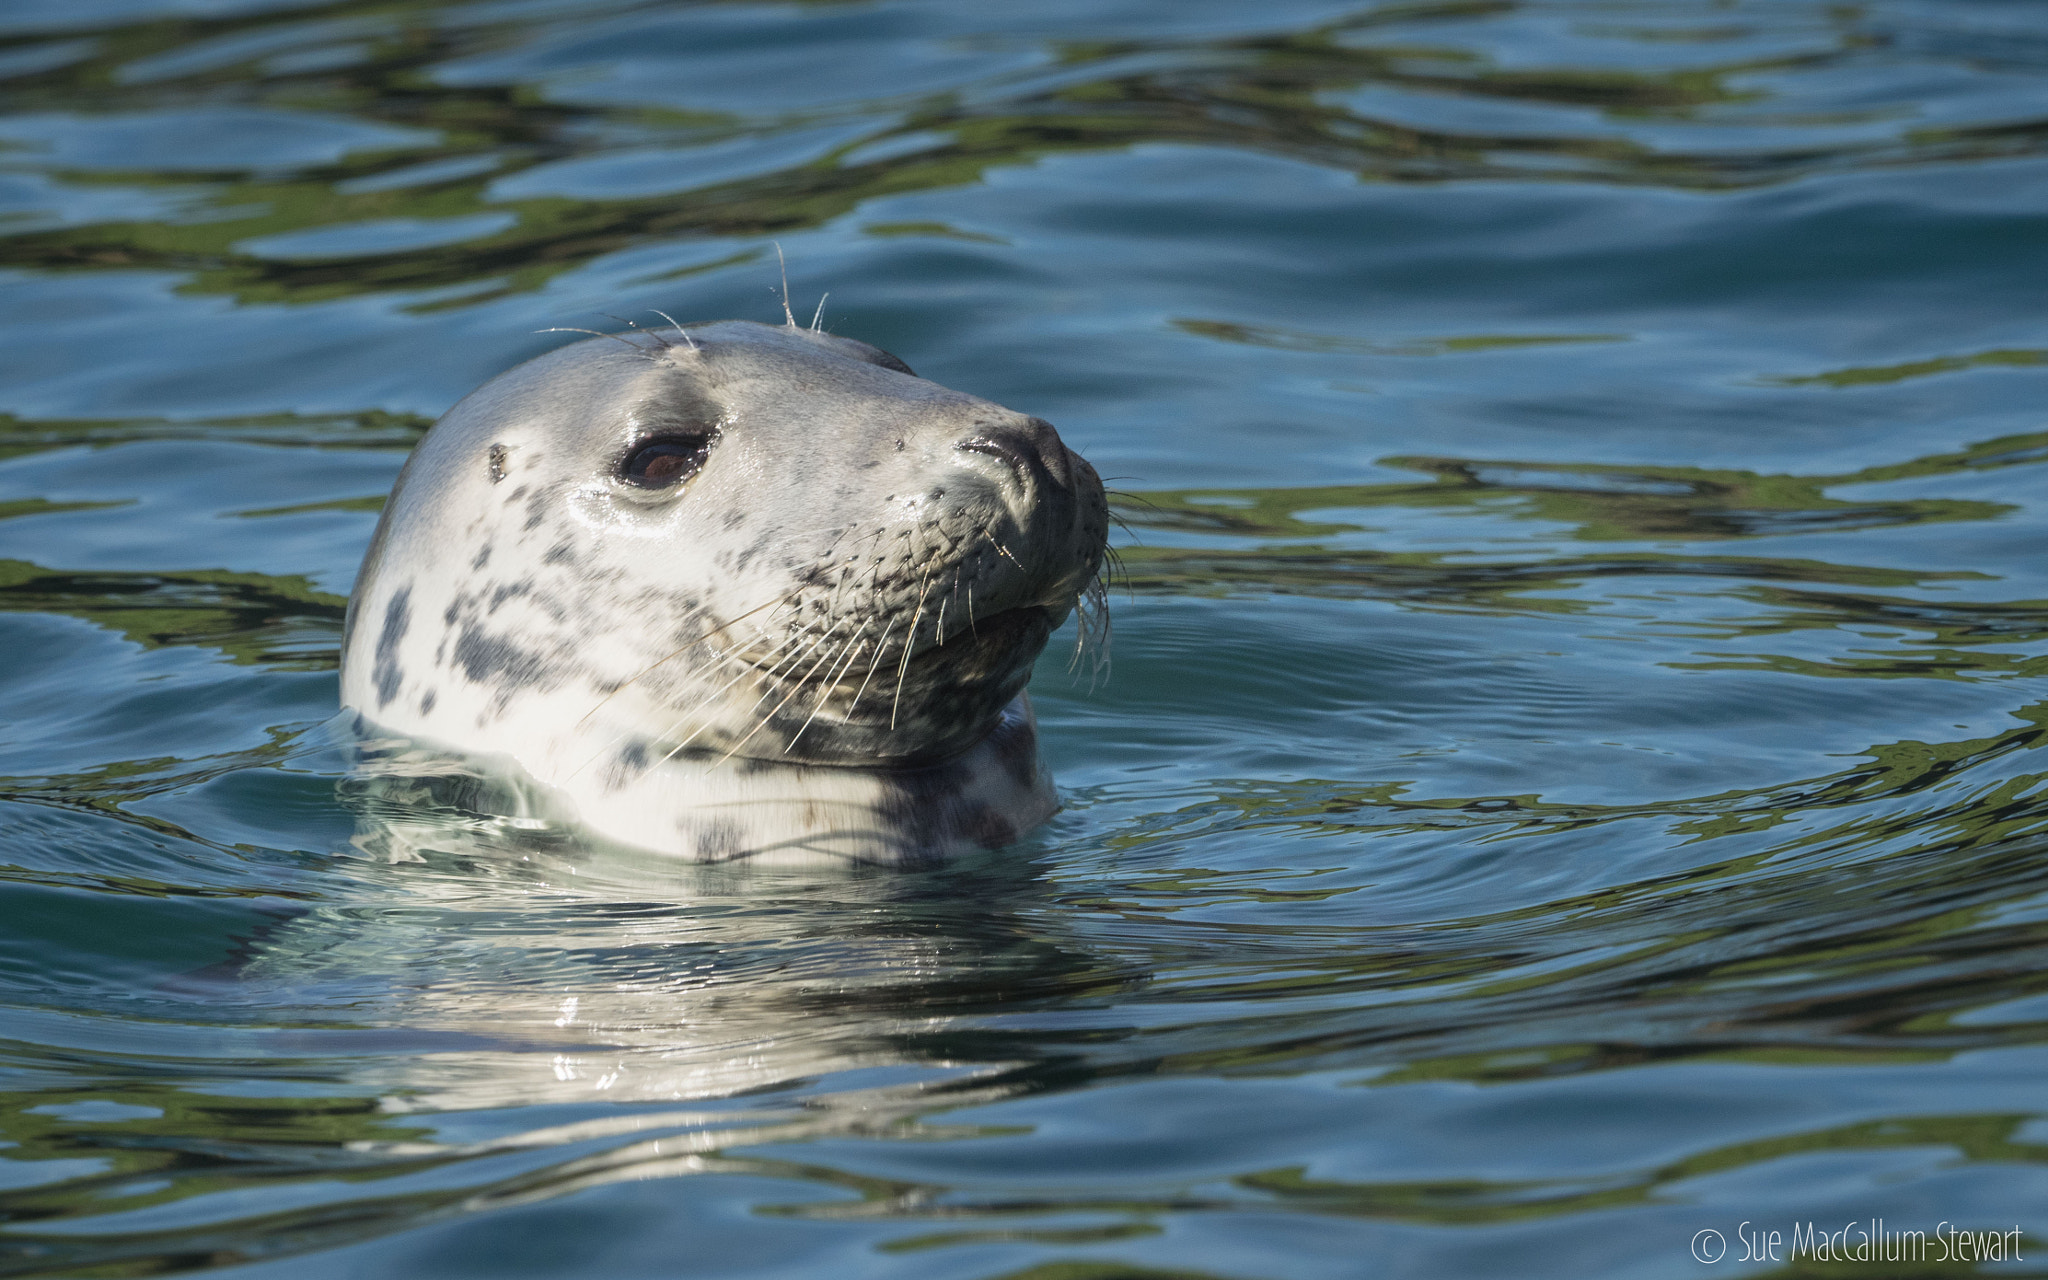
{"points": [[949, 697]]}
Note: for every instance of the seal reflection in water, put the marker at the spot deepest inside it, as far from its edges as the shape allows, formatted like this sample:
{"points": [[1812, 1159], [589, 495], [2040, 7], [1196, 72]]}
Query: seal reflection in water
{"points": [[729, 591]]}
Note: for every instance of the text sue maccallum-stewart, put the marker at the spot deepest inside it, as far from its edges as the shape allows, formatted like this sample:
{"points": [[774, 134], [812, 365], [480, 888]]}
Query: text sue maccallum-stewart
{"points": [[1873, 1242]]}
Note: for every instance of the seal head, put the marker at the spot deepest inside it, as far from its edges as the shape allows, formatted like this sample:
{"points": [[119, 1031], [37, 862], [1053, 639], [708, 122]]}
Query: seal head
{"points": [[683, 574]]}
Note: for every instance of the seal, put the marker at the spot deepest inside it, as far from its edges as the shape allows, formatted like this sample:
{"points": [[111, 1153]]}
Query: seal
{"points": [[731, 590]]}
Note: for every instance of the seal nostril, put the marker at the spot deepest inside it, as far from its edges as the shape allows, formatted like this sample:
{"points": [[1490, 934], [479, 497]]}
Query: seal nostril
{"points": [[1004, 449], [1032, 449]]}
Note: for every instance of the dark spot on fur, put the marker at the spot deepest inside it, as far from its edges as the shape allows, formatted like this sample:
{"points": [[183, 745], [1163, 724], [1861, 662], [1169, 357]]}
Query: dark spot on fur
{"points": [[397, 620], [628, 764], [740, 562], [508, 591], [720, 841], [560, 553], [536, 511], [427, 701], [483, 557], [485, 657], [735, 518]]}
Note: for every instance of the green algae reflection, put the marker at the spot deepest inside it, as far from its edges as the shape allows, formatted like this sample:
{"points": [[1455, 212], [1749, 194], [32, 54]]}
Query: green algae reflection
{"points": [[281, 621], [435, 148], [1305, 540]]}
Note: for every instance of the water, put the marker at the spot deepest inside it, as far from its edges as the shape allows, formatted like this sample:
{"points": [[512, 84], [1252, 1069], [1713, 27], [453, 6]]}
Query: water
{"points": [[1567, 780]]}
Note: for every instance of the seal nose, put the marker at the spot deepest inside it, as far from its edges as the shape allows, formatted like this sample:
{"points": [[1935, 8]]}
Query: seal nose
{"points": [[1031, 447]]}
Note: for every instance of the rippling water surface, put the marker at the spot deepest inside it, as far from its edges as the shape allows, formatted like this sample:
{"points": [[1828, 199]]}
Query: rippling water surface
{"points": [[1567, 778]]}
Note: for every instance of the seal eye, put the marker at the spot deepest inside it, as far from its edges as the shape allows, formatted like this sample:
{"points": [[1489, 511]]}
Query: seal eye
{"points": [[665, 461]]}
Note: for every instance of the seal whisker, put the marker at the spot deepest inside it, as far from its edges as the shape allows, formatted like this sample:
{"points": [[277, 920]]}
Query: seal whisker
{"points": [[688, 341], [881, 646], [875, 592], [724, 656], [684, 648], [851, 651], [1091, 631], [763, 671], [694, 641], [746, 669], [797, 637], [848, 574], [910, 640], [665, 343], [988, 531], [1114, 562], [635, 347], [819, 314], [791, 660], [762, 723], [788, 316], [903, 668]]}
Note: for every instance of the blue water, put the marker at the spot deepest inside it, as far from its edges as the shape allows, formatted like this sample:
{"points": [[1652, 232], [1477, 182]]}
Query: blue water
{"points": [[1566, 780]]}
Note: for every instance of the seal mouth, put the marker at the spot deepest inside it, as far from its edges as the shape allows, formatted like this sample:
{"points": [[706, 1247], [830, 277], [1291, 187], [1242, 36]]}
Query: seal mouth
{"points": [[1004, 625], [896, 709], [986, 660]]}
